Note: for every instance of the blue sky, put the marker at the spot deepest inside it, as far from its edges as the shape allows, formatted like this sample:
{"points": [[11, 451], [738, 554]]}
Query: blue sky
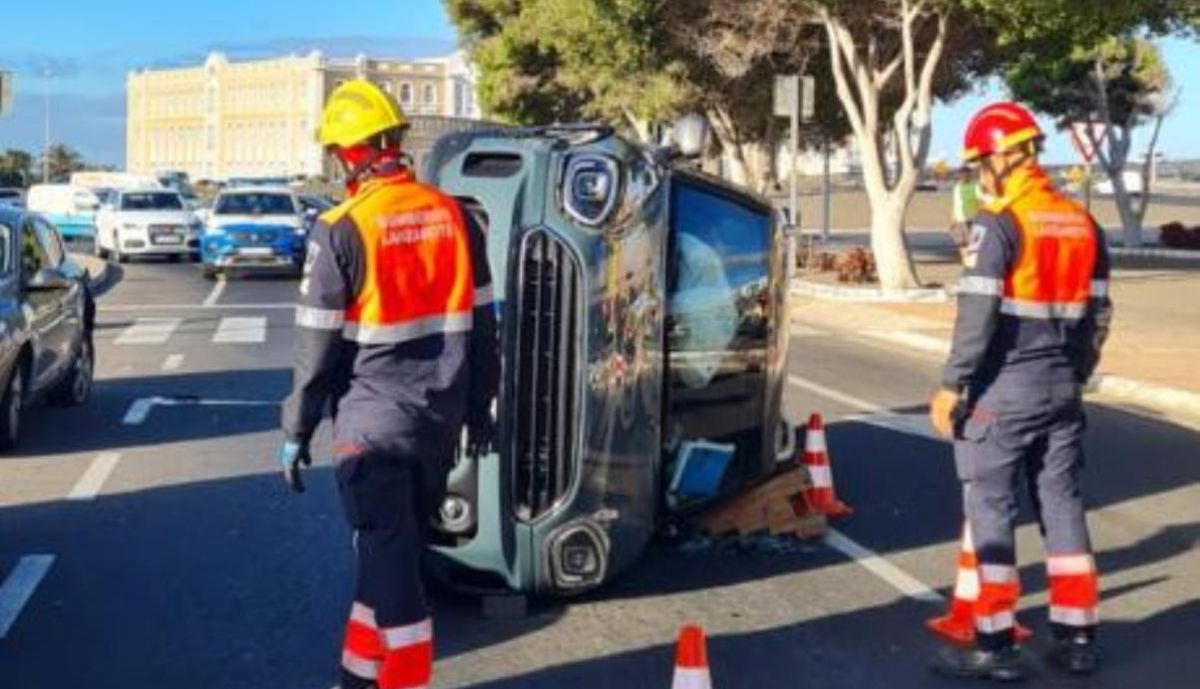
{"points": [[89, 46]]}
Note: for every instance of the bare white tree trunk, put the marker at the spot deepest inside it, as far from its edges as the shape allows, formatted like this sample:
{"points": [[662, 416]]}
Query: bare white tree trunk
{"points": [[861, 77]]}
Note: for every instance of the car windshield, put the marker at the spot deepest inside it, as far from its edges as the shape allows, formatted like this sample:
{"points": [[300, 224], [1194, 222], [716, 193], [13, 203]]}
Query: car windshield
{"points": [[255, 204], [151, 202]]}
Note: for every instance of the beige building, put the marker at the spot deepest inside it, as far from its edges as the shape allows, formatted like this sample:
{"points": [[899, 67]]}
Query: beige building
{"points": [[254, 119]]}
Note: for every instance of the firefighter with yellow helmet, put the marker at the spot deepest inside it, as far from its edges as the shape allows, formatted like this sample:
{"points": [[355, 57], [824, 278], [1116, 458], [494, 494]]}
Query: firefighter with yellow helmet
{"points": [[396, 333]]}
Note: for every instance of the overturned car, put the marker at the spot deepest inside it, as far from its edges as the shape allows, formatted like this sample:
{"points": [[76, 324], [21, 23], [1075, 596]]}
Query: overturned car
{"points": [[643, 327]]}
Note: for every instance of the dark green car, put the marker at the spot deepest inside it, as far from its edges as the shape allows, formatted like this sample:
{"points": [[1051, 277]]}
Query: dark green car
{"points": [[642, 310]]}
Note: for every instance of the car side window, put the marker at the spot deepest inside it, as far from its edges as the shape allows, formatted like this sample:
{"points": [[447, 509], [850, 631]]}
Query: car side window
{"points": [[51, 243], [33, 254]]}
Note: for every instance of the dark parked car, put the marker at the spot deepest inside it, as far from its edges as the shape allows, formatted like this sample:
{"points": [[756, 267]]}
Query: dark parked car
{"points": [[46, 318], [643, 328]]}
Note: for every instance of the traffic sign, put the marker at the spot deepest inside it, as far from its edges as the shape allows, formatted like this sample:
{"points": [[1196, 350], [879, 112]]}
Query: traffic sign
{"points": [[6, 92], [1083, 143], [795, 95]]}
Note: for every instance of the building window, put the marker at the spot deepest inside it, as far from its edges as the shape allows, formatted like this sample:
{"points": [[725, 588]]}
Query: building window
{"points": [[406, 94], [430, 94]]}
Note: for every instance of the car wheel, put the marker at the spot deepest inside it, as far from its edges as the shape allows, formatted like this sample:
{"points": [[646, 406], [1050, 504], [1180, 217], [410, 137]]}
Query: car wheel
{"points": [[12, 405], [75, 388]]}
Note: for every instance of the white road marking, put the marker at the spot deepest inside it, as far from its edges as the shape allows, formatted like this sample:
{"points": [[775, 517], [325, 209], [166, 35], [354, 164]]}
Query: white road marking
{"points": [[877, 565], [913, 424], [173, 362], [869, 560], [18, 588], [93, 479], [920, 342], [148, 331], [140, 409], [839, 397], [215, 295], [241, 331], [124, 308], [806, 331]]}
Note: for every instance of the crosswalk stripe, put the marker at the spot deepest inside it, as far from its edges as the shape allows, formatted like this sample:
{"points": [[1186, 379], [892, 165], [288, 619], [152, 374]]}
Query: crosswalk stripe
{"points": [[241, 331], [148, 331]]}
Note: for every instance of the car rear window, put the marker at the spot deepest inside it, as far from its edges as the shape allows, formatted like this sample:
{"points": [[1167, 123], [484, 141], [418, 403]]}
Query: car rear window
{"points": [[151, 202], [255, 204]]}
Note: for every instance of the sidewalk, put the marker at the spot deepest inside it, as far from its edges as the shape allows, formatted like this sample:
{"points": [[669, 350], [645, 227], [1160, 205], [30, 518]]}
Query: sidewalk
{"points": [[1152, 358]]}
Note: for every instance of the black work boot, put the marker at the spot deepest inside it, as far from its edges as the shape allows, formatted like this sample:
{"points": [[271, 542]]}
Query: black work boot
{"points": [[1004, 665], [1076, 656]]}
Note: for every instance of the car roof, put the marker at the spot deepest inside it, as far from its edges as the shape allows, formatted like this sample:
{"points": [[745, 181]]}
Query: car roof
{"points": [[257, 190], [11, 216]]}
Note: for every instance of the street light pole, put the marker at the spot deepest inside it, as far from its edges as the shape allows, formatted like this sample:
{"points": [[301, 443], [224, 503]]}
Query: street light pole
{"points": [[46, 144]]}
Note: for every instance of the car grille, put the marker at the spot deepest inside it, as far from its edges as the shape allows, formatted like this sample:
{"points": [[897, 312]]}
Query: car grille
{"points": [[261, 238], [545, 411]]}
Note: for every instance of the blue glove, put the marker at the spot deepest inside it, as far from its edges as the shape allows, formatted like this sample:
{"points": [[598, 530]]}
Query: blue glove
{"points": [[291, 456]]}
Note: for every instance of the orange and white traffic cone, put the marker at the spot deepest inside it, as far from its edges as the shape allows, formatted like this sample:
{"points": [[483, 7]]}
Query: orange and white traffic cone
{"points": [[821, 496], [691, 660], [958, 624]]}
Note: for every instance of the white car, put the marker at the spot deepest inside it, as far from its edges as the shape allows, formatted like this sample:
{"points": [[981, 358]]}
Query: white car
{"points": [[1133, 184], [149, 222]]}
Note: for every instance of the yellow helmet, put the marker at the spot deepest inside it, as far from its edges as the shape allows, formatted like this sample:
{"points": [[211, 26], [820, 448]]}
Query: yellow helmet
{"points": [[356, 111]]}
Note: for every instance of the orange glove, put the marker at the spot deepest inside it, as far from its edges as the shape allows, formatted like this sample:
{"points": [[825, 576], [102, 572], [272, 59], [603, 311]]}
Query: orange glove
{"points": [[941, 412]]}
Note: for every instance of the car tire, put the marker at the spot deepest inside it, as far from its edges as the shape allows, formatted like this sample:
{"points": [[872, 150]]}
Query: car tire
{"points": [[12, 407], [75, 388]]}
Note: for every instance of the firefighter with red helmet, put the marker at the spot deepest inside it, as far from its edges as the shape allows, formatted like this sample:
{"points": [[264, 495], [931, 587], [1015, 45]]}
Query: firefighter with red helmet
{"points": [[396, 334], [1033, 314]]}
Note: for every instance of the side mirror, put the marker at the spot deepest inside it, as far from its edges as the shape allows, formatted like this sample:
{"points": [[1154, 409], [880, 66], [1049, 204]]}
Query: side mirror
{"points": [[48, 280], [691, 134]]}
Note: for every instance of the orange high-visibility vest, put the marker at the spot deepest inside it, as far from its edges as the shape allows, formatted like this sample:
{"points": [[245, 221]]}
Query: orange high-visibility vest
{"points": [[418, 279], [1052, 274]]}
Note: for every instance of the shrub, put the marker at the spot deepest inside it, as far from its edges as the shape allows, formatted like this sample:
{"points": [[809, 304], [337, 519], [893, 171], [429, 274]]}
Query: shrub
{"points": [[1175, 236], [857, 266]]}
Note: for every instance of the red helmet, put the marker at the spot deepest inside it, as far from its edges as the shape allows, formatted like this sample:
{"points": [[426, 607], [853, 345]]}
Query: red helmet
{"points": [[997, 128]]}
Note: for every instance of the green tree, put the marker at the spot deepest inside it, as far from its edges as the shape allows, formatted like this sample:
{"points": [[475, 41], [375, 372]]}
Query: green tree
{"points": [[1120, 84], [890, 61], [61, 161], [1091, 62], [638, 63], [16, 168]]}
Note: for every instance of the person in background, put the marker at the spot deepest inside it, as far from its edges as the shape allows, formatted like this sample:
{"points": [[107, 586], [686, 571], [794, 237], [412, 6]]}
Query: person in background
{"points": [[967, 195]]}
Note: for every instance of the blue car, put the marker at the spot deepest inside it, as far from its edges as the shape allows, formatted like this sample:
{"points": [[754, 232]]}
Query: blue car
{"points": [[254, 229]]}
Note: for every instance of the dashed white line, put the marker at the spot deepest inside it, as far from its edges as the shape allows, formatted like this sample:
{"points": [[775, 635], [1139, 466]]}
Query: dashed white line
{"points": [[18, 588], [215, 295], [93, 479], [138, 411], [877, 565], [241, 331], [148, 331], [173, 362]]}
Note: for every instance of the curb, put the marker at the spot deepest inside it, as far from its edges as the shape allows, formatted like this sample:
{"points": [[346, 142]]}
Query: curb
{"points": [[1172, 254], [1161, 399], [869, 295]]}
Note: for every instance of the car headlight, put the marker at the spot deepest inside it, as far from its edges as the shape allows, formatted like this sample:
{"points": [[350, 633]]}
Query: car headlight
{"points": [[591, 186]]}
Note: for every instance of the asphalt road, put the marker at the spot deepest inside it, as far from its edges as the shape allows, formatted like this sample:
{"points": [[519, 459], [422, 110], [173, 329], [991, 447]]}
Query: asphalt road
{"points": [[182, 563]]}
